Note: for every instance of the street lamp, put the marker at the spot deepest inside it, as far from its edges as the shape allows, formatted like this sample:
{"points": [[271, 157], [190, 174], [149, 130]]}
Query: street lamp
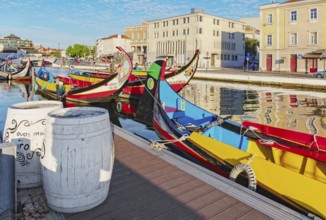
{"points": [[206, 58]]}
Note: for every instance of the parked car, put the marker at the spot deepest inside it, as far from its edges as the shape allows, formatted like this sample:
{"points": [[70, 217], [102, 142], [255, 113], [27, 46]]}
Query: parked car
{"points": [[320, 74]]}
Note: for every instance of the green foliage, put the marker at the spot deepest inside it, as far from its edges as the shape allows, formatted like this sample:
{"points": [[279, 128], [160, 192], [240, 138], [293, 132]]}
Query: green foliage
{"points": [[78, 50], [251, 46], [56, 54]]}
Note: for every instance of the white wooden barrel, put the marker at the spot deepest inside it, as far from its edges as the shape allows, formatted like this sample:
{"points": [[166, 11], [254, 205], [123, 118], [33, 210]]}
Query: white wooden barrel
{"points": [[78, 161], [25, 124]]}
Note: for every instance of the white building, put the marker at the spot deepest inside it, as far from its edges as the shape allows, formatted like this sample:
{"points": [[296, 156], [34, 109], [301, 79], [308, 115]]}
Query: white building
{"points": [[220, 40], [106, 47]]}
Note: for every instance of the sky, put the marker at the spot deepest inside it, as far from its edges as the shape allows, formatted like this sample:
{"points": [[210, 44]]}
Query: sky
{"points": [[63, 23]]}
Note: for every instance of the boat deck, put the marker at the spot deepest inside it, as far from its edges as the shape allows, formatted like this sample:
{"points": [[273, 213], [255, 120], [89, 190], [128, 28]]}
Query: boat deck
{"points": [[152, 184]]}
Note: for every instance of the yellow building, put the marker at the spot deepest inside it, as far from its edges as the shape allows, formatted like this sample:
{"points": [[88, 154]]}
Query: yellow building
{"points": [[293, 36], [138, 36]]}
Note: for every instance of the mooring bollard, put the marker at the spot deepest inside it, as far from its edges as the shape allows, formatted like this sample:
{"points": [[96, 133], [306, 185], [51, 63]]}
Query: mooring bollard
{"points": [[7, 180]]}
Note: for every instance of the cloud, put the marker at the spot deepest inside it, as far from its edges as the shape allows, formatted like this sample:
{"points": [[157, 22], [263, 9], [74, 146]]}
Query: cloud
{"points": [[84, 21]]}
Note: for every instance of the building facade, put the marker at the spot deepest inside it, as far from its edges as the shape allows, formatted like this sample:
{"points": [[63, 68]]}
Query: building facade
{"points": [[138, 43], [14, 42], [291, 34], [252, 27], [106, 47], [220, 40]]}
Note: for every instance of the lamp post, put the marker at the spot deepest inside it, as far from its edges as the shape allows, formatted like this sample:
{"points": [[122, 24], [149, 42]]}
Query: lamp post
{"points": [[206, 58]]}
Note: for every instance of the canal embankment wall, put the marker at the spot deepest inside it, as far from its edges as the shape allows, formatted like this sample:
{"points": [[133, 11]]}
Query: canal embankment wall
{"points": [[259, 78]]}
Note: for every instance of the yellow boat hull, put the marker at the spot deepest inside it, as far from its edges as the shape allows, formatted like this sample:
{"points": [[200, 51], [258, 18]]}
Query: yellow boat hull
{"points": [[86, 78], [287, 175], [50, 86]]}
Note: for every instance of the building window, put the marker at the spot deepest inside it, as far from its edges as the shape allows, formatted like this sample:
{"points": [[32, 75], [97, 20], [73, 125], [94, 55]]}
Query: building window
{"points": [[313, 38], [313, 14], [173, 33], [213, 32], [200, 30], [214, 21], [186, 20], [293, 39], [269, 19], [293, 16], [217, 22], [217, 33], [269, 40], [200, 18]]}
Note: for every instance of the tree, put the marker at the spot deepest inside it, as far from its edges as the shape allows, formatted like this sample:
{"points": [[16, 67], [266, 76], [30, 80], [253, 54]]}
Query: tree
{"points": [[56, 54], [77, 50], [251, 46], [69, 51]]}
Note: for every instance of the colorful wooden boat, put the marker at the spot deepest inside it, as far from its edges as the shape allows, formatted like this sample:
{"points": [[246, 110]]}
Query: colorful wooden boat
{"points": [[308, 145], [135, 87], [209, 139], [85, 92], [101, 75], [125, 108], [23, 74]]}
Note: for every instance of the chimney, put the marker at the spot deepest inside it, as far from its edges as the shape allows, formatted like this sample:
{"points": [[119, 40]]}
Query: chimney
{"points": [[196, 10]]}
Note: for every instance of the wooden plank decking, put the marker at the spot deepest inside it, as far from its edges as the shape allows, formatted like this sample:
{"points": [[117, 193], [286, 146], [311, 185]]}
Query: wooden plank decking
{"points": [[145, 186]]}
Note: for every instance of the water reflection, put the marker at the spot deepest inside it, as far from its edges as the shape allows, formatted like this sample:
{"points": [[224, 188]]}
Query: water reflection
{"points": [[291, 109]]}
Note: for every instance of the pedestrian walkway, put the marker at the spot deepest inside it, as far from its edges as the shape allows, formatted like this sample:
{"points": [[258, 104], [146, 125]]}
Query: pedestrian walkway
{"points": [[157, 184], [286, 80]]}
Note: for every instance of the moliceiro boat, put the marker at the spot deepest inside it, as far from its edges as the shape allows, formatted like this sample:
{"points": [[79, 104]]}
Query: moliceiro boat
{"points": [[85, 92], [135, 87], [7, 73], [218, 144]]}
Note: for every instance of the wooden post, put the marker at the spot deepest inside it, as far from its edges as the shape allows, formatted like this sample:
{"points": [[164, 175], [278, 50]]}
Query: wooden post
{"points": [[57, 87]]}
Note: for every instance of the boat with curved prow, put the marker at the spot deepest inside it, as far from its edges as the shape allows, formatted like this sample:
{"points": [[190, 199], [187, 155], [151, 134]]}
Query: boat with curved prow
{"points": [[23, 74], [85, 92], [206, 138], [135, 87]]}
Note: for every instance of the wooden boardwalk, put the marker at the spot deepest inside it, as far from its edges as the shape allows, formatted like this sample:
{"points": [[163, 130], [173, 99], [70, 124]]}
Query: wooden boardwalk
{"points": [[147, 184]]}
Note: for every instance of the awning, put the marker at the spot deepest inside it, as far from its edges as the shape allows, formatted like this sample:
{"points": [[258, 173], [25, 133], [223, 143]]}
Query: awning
{"points": [[317, 54]]}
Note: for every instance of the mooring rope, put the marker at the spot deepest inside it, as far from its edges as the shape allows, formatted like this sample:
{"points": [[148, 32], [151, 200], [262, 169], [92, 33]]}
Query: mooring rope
{"points": [[270, 141], [159, 145]]}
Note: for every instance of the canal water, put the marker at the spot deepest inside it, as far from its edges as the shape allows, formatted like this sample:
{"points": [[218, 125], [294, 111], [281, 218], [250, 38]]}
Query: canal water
{"points": [[303, 111]]}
